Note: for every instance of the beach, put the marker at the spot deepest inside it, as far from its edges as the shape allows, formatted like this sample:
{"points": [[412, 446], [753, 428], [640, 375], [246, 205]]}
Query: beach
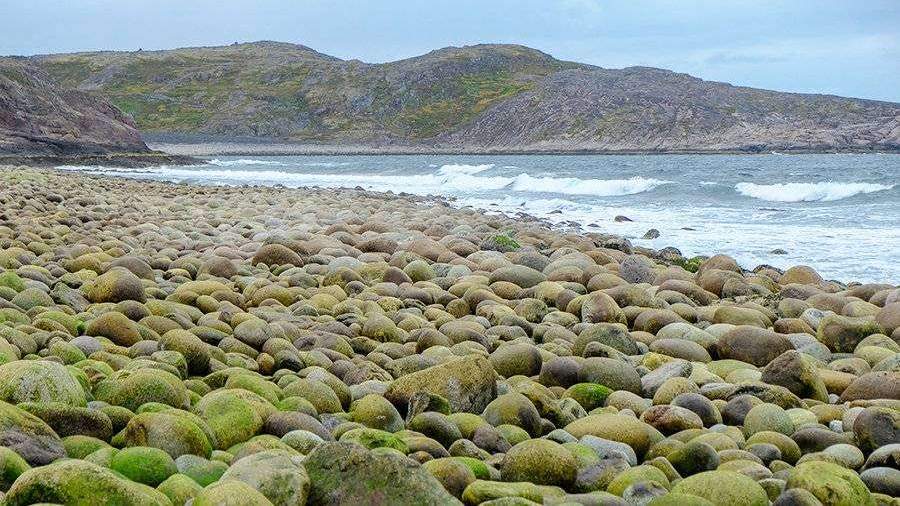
{"points": [[199, 337]]}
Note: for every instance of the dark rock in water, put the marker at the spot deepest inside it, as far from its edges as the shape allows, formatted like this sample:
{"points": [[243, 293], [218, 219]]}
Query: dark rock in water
{"points": [[778, 251], [347, 474], [651, 234], [621, 218]]}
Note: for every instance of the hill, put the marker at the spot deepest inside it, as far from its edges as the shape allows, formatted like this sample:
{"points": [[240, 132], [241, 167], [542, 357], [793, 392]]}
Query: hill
{"points": [[474, 98], [37, 118]]}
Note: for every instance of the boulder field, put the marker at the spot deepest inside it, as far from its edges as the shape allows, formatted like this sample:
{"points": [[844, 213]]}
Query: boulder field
{"points": [[177, 344]]}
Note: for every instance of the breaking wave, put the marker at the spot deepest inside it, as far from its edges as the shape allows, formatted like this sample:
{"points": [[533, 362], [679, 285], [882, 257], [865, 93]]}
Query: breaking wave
{"points": [[807, 192], [453, 179]]}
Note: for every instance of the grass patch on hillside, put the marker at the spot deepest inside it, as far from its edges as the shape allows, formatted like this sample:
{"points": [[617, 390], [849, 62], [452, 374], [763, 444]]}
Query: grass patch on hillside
{"points": [[469, 96]]}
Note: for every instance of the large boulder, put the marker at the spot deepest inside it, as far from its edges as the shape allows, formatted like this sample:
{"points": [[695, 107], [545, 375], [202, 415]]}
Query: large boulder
{"points": [[39, 381], [842, 333], [468, 383], [723, 488], [830, 483], [115, 285], [29, 436], [753, 345], [78, 482], [796, 373], [277, 474], [348, 474]]}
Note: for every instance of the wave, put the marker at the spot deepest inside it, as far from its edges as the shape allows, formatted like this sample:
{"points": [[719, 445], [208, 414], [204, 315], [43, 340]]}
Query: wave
{"points": [[449, 179], [235, 163], [826, 191], [453, 168], [576, 186]]}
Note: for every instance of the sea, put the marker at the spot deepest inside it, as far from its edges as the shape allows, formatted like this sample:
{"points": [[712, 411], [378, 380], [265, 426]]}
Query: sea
{"points": [[838, 213]]}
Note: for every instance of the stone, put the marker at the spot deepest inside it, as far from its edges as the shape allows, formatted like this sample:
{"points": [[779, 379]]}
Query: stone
{"points": [[141, 464], [115, 285], [723, 488], [541, 462], [830, 483], [39, 381], [79, 482], [468, 383], [792, 371], [276, 474], [344, 473]]}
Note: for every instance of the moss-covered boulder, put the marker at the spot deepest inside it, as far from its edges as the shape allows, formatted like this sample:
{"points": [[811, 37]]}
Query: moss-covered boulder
{"points": [[723, 488], [539, 461], [80, 483], [234, 416], [142, 464], [29, 436], [134, 388], [843, 333], [376, 412], [39, 381], [115, 285], [200, 470], [116, 327], [176, 435], [454, 474], [796, 373], [11, 467], [588, 395], [345, 474], [638, 474], [622, 428], [374, 438], [230, 493], [830, 483], [513, 409], [179, 489], [11, 280], [497, 492], [189, 345], [67, 420], [468, 383], [277, 474]]}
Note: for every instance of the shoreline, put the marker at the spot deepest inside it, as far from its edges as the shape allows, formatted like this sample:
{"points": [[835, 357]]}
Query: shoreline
{"points": [[125, 160], [277, 148], [666, 253]]}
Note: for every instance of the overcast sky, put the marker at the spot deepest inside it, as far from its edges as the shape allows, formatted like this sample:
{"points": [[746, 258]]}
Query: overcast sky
{"points": [[844, 47]]}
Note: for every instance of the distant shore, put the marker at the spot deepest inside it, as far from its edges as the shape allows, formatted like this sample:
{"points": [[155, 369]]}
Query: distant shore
{"points": [[282, 148], [127, 160]]}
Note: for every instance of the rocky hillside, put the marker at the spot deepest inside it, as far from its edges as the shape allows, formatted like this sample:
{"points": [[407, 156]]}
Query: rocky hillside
{"points": [[39, 119], [486, 97]]}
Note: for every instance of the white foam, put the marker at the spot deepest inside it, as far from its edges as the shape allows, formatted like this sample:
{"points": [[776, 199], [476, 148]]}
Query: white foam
{"points": [[449, 179], [825, 191], [461, 168], [576, 186], [243, 161]]}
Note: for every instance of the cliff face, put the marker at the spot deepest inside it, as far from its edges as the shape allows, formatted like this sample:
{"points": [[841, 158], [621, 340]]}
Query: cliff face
{"points": [[486, 97], [39, 119]]}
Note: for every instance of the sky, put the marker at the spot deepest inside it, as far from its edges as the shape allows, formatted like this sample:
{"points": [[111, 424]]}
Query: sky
{"points": [[842, 47]]}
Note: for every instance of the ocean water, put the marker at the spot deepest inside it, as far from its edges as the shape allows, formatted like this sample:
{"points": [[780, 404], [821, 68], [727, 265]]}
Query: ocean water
{"points": [[839, 213]]}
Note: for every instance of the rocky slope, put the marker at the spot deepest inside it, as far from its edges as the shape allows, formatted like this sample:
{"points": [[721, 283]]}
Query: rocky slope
{"points": [[39, 119], [485, 97]]}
